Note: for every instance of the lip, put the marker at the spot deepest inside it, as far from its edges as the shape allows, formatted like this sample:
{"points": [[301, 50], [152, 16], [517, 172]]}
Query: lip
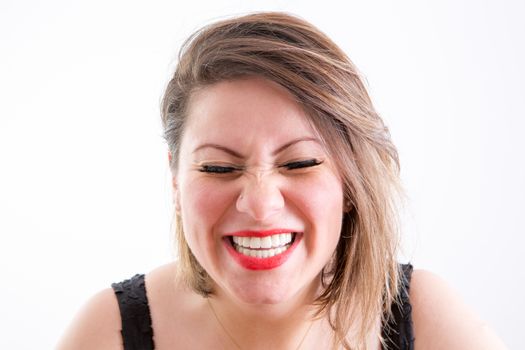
{"points": [[250, 233], [253, 263]]}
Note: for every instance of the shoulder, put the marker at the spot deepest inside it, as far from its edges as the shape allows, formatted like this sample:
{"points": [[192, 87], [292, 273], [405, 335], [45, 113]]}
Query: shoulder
{"points": [[169, 295], [96, 326], [442, 320]]}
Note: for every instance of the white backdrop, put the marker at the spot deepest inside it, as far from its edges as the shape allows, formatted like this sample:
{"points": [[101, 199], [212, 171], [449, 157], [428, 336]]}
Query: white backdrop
{"points": [[84, 181]]}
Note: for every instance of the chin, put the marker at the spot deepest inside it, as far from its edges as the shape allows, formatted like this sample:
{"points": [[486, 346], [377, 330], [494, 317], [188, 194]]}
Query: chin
{"points": [[261, 291], [261, 296]]}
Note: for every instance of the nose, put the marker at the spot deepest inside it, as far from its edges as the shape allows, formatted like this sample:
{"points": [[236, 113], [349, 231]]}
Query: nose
{"points": [[261, 198]]}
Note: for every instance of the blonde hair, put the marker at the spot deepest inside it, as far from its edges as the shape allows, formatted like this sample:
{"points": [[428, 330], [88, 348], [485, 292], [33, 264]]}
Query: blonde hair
{"points": [[361, 282]]}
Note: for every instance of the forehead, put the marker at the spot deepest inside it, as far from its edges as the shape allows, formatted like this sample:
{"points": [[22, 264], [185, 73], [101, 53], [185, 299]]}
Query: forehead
{"points": [[245, 110]]}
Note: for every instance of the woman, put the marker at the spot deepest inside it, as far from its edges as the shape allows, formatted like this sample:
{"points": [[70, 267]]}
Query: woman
{"points": [[285, 188]]}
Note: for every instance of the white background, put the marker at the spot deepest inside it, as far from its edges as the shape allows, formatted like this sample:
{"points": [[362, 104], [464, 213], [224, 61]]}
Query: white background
{"points": [[84, 182]]}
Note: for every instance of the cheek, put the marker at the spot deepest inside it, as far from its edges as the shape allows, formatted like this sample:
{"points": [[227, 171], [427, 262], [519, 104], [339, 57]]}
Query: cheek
{"points": [[320, 201], [200, 210], [320, 197], [203, 203]]}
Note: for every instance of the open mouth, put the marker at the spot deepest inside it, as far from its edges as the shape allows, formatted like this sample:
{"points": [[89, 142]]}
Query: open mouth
{"points": [[263, 247]]}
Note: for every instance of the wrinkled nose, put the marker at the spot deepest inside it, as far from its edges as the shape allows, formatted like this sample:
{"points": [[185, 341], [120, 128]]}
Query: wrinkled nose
{"points": [[260, 198]]}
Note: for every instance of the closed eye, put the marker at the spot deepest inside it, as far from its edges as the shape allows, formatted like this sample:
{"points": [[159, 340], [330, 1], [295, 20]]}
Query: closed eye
{"points": [[216, 169], [301, 164]]}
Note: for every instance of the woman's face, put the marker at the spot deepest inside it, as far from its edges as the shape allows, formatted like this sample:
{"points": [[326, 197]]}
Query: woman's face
{"points": [[261, 203]]}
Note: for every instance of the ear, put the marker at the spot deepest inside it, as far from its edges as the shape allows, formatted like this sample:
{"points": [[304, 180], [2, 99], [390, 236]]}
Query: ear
{"points": [[174, 188], [347, 206], [175, 194]]}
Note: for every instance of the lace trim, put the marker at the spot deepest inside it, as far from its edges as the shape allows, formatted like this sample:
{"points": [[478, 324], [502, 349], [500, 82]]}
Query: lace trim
{"points": [[398, 332], [137, 333]]}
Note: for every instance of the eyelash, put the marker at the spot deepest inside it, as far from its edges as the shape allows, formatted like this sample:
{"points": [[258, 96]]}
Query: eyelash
{"points": [[301, 164], [216, 169]]}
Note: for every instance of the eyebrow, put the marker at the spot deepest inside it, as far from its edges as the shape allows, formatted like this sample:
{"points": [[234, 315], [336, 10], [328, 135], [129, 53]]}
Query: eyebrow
{"points": [[240, 156]]}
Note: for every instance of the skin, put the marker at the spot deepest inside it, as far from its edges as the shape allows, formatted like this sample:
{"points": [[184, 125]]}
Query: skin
{"points": [[253, 118]]}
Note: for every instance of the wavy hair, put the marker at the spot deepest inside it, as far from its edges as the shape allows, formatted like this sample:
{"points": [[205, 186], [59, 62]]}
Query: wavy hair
{"points": [[361, 282]]}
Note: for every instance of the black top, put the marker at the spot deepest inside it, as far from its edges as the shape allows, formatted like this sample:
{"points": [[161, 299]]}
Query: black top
{"points": [[137, 333], [398, 332], [134, 313]]}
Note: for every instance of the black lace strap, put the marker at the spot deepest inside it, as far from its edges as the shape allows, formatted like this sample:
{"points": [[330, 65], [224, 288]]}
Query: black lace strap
{"points": [[398, 332], [137, 333]]}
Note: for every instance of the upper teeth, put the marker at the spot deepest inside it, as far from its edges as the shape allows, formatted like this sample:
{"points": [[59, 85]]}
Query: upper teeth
{"points": [[267, 242]]}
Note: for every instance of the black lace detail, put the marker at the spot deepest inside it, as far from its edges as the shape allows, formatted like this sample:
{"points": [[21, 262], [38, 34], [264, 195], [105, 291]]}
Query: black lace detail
{"points": [[137, 333], [398, 332]]}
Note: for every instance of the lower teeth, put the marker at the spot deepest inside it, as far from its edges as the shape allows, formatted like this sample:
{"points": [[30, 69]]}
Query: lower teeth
{"points": [[261, 253]]}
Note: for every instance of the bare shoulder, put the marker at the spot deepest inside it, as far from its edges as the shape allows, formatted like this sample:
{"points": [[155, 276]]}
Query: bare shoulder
{"points": [[96, 326], [442, 320], [180, 317]]}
